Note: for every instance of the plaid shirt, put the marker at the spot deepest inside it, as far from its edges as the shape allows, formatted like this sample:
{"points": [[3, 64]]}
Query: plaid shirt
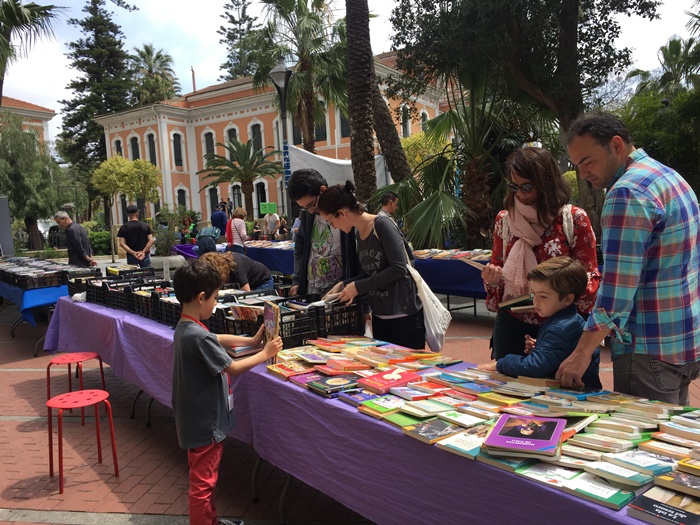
{"points": [[648, 296]]}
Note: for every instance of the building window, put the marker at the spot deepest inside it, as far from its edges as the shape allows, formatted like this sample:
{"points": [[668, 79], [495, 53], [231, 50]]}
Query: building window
{"points": [[134, 142], [423, 120], [118, 147], [262, 196], [256, 132], [232, 136], [125, 217], [209, 143], [152, 148], [405, 122], [213, 199], [177, 149], [182, 198], [344, 126], [156, 205], [296, 134], [237, 197]]}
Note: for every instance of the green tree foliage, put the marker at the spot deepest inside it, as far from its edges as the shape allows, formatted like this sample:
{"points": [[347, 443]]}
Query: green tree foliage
{"points": [[304, 30], [241, 163], [238, 37], [680, 65], [101, 86], [27, 173], [21, 25], [153, 76], [142, 181], [418, 148]]}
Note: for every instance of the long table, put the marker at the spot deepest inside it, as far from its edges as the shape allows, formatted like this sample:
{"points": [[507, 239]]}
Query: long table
{"points": [[367, 465]]}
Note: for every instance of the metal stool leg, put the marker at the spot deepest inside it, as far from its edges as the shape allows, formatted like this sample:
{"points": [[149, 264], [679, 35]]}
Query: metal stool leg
{"points": [[254, 479], [50, 444], [111, 432], [97, 431], [60, 451], [79, 368]]}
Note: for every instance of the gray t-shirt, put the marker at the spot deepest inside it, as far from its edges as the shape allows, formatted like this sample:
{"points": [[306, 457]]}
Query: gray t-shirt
{"points": [[200, 387]]}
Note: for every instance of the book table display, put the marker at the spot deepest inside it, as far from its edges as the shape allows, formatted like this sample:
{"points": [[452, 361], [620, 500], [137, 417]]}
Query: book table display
{"points": [[367, 465]]}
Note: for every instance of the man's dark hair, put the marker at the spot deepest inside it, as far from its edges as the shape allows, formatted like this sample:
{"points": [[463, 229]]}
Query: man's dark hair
{"points": [[195, 277], [601, 126], [388, 197], [306, 181]]}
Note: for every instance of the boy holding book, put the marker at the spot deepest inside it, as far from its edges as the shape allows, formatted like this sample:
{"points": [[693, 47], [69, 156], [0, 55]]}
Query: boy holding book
{"points": [[556, 285], [202, 397]]}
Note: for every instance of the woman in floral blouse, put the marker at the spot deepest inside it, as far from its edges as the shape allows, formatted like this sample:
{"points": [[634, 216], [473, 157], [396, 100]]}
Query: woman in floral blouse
{"points": [[537, 224]]}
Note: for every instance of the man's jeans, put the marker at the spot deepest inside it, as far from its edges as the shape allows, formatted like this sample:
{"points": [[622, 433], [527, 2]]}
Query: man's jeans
{"points": [[130, 259]]}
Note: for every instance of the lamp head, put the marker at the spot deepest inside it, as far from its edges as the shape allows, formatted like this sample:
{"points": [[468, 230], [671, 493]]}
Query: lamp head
{"points": [[280, 74]]}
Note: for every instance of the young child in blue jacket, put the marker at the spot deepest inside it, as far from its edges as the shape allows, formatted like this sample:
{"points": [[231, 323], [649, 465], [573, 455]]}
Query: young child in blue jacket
{"points": [[556, 285]]}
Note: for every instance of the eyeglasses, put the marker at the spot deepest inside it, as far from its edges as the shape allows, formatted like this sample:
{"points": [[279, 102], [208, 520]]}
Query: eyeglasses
{"points": [[312, 205], [525, 188], [330, 221]]}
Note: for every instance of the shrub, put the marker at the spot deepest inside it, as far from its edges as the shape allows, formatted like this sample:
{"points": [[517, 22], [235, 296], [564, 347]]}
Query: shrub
{"points": [[100, 241]]}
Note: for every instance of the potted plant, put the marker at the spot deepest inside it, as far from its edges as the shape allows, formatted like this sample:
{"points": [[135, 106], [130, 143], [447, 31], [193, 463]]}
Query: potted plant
{"points": [[166, 236]]}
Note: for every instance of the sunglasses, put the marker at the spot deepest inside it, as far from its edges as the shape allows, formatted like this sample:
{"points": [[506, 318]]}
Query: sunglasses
{"points": [[525, 188]]}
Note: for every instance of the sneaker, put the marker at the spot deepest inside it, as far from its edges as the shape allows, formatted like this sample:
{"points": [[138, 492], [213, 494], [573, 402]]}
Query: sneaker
{"points": [[231, 522]]}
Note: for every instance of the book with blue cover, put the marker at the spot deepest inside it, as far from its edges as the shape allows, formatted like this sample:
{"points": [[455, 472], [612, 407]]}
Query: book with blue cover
{"points": [[355, 396]]}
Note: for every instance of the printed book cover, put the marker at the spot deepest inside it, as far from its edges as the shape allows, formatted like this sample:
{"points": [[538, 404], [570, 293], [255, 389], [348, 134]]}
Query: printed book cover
{"points": [[431, 430], [303, 379], [355, 396], [527, 434], [400, 419], [642, 461], [271, 318], [617, 473], [386, 379], [689, 465], [384, 403], [549, 474], [660, 505], [599, 490], [665, 449], [408, 393], [290, 368], [467, 443], [333, 383], [460, 418], [680, 481]]}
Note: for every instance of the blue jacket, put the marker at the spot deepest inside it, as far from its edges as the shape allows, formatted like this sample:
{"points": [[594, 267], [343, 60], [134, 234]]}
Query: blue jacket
{"points": [[556, 340]]}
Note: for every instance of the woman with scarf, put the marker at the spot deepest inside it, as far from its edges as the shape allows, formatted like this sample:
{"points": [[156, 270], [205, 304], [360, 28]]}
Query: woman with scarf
{"points": [[536, 224]]}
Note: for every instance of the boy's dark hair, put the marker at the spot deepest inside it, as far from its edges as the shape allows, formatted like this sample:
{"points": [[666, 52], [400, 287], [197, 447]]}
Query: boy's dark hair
{"points": [[601, 126], [564, 275], [388, 197], [195, 277], [306, 181]]}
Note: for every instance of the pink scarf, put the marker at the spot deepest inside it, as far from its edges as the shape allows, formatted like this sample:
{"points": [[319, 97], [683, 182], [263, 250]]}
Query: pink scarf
{"points": [[521, 260]]}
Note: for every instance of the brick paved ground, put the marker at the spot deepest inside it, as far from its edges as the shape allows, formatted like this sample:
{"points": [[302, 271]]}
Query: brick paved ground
{"points": [[152, 486]]}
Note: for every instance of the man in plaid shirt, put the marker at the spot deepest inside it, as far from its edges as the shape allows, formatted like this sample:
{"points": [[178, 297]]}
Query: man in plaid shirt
{"points": [[648, 300]]}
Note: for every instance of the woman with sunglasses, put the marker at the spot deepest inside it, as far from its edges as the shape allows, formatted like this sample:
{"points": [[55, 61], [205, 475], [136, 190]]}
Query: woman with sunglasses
{"points": [[536, 224], [397, 314]]}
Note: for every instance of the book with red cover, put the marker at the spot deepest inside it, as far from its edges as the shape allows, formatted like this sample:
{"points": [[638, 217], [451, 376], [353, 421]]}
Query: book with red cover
{"points": [[386, 379], [327, 370], [347, 364]]}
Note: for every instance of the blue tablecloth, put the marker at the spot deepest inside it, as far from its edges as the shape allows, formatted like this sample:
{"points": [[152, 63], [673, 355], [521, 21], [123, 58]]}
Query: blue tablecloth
{"points": [[449, 277], [34, 298]]}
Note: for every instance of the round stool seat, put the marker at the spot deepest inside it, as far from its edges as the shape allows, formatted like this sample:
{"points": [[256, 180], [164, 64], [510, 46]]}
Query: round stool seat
{"points": [[77, 399], [73, 357]]}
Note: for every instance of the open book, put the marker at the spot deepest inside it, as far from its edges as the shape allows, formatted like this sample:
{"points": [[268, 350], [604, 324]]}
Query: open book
{"points": [[328, 299], [516, 302]]}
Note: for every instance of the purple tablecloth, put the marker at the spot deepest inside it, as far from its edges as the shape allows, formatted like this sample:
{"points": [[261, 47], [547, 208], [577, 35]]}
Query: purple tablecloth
{"points": [[367, 465]]}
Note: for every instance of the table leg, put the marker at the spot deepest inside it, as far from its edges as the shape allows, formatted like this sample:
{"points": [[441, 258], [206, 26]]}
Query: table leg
{"points": [[133, 405], [254, 479], [3, 303], [14, 326], [283, 496]]}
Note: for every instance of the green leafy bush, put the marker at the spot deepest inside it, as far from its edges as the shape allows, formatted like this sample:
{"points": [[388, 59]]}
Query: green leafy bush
{"points": [[100, 242]]}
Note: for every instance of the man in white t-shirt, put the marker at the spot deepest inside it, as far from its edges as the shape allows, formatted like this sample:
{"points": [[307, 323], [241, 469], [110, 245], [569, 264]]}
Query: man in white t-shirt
{"points": [[272, 223]]}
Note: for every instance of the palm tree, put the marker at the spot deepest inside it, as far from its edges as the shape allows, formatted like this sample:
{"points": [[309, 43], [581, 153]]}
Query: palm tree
{"points": [[303, 30], [693, 25], [242, 163], [21, 25], [154, 77], [680, 64]]}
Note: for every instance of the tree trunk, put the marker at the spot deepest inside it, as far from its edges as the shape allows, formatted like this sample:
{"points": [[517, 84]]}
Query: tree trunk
{"points": [[387, 135], [247, 188], [475, 195], [359, 64], [36, 239]]}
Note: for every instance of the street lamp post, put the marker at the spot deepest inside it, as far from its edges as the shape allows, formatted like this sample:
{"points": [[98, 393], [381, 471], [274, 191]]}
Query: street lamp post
{"points": [[280, 76]]}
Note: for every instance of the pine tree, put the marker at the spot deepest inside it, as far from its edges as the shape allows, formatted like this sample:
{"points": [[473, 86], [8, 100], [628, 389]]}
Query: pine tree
{"points": [[236, 37], [102, 86]]}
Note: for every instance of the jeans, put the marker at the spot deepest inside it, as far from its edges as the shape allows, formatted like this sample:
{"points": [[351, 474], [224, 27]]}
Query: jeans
{"points": [[509, 335], [235, 248], [645, 376], [408, 331], [145, 263], [268, 284]]}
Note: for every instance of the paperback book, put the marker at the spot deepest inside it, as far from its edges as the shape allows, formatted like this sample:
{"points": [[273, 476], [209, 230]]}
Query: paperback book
{"points": [[599, 490], [431, 430], [681, 482], [387, 379], [533, 435], [549, 474], [642, 461], [355, 396], [617, 473], [467, 443], [665, 449], [659, 505]]}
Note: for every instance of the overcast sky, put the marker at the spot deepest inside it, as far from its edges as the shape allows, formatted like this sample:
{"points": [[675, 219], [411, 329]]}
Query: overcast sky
{"points": [[188, 34]]}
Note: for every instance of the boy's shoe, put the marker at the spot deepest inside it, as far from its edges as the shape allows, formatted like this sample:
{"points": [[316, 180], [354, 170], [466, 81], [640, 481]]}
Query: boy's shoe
{"points": [[231, 522]]}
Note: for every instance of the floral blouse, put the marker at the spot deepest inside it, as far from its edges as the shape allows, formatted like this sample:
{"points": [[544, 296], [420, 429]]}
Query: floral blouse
{"points": [[554, 243]]}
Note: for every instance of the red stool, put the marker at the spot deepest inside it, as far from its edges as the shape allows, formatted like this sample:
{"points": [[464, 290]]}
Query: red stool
{"points": [[68, 359], [79, 399]]}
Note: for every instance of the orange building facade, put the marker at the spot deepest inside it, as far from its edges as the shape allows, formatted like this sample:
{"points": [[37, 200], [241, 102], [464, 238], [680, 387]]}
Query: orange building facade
{"points": [[35, 118], [175, 135]]}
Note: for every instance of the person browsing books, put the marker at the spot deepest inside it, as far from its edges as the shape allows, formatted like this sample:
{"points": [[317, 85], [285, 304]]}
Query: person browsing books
{"points": [[241, 270], [397, 314], [556, 285], [649, 299], [236, 232], [202, 398], [537, 224], [322, 255]]}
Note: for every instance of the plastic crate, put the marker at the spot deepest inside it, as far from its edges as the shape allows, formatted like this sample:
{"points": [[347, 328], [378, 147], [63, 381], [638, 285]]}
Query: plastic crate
{"points": [[168, 313], [130, 271], [341, 320], [96, 293], [77, 285], [116, 295], [145, 305], [45, 280], [298, 325], [241, 326], [216, 323]]}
